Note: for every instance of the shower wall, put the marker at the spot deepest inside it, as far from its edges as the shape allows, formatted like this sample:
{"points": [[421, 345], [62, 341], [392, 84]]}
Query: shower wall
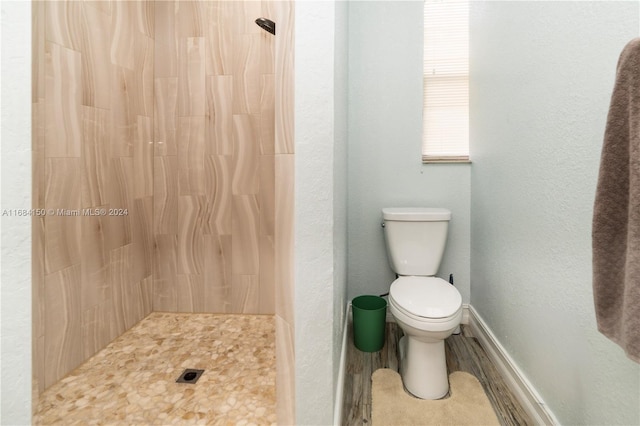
{"points": [[213, 186], [163, 162], [92, 178], [224, 167]]}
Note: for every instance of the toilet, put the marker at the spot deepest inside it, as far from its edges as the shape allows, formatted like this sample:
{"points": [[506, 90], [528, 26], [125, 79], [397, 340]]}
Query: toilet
{"points": [[428, 309]]}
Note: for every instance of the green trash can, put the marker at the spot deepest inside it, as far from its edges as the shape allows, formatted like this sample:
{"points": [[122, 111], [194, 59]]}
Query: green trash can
{"points": [[369, 318]]}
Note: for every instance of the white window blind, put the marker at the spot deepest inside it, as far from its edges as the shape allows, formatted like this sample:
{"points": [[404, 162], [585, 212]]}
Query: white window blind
{"points": [[446, 81]]}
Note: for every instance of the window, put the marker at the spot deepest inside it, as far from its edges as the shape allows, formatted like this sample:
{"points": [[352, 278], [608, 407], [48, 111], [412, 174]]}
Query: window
{"points": [[445, 116]]}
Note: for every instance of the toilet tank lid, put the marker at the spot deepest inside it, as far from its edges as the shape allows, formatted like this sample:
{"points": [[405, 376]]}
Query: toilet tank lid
{"points": [[416, 214]]}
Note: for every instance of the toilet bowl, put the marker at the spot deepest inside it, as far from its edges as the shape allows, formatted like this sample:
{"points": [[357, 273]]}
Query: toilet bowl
{"points": [[428, 310]]}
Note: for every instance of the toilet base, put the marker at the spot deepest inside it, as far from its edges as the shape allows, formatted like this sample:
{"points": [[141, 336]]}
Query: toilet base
{"points": [[423, 367]]}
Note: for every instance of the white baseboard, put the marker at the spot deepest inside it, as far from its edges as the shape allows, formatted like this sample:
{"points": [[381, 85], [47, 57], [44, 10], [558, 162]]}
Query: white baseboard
{"points": [[513, 377], [338, 405], [465, 314]]}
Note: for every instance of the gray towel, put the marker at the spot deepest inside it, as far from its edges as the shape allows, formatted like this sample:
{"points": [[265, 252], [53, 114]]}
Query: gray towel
{"points": [[616, 215]]}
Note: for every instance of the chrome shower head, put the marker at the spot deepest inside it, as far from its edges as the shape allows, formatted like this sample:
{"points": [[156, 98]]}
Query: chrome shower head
{"points": [[267, 25]]}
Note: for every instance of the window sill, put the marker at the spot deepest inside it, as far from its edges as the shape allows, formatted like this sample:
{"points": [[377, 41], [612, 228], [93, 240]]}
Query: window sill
{"points": [[446, 160]]}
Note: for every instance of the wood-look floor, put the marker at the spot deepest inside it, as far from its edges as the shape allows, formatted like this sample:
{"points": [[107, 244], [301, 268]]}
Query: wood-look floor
{"points": [[463, 353]]}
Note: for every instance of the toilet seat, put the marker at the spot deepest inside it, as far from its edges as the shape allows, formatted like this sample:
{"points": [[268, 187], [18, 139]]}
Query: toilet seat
{"points": [[425, 299]]}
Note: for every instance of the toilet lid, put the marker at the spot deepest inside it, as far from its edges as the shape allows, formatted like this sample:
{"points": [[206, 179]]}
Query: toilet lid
{"points": [[428, 297]]}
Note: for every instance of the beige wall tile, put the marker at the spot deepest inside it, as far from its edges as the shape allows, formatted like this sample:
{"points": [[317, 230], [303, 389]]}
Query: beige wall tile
{"points": [[267, 114], [225, 187], [164, 273], [267, 286], [219, 115], [143, 66], [38, 303], [37, 50], [284, 219], [164, 19], [62, 242], [268, 9], [284, 251], [135, 304], [95, 154], [119, 284], [128, 300], [165, 118], [190, 293], [120, 201], [63, 319], [95, 328], [63, 23], [143, 13], [190, 236], [219, 171], [219, 35], [62, 183], [38, 271], [165, 40], [38, 183], [267, 195], [284, 77], [146, 286], [93, 148], [122, 34], [245, 14], [63, 98], [191, 76], [190, 18], [245, 244], [165, 198], [217, 273], [246, 73], [267, 47], [191, 155], [102, 5], [39, 366], [62, 228], [143, 158], [285, 373], [96, 63], [142, 238], [246, 169], [94, 260], [245, 293], [123, 111]]}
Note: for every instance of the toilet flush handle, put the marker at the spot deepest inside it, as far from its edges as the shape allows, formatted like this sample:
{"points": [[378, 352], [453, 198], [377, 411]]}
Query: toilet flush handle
{"points": [[382, 224]]}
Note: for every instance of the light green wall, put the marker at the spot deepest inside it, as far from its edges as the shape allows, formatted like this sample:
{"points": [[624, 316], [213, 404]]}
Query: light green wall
{"points": [[541, 77], [385, 136], [340, 114], [542, 74], [320, 205], [15, 154]]}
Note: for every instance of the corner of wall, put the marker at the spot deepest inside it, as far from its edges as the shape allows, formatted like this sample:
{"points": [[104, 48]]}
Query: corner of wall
{"points": [[15, 231]]}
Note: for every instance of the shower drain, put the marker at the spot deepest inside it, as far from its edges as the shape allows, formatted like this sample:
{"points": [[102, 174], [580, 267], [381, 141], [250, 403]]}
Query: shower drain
{"points": [[190, 375]]}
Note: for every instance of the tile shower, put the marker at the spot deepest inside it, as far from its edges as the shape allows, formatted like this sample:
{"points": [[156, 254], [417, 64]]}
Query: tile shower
{"points": [[171, 120]]}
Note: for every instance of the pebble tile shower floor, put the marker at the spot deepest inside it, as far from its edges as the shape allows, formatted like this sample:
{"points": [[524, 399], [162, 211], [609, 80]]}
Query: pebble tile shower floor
{"points": [[133, 380]]}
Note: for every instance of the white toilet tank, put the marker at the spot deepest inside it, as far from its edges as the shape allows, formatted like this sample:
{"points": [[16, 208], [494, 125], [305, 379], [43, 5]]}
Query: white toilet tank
{"points": [[415, 238]]}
